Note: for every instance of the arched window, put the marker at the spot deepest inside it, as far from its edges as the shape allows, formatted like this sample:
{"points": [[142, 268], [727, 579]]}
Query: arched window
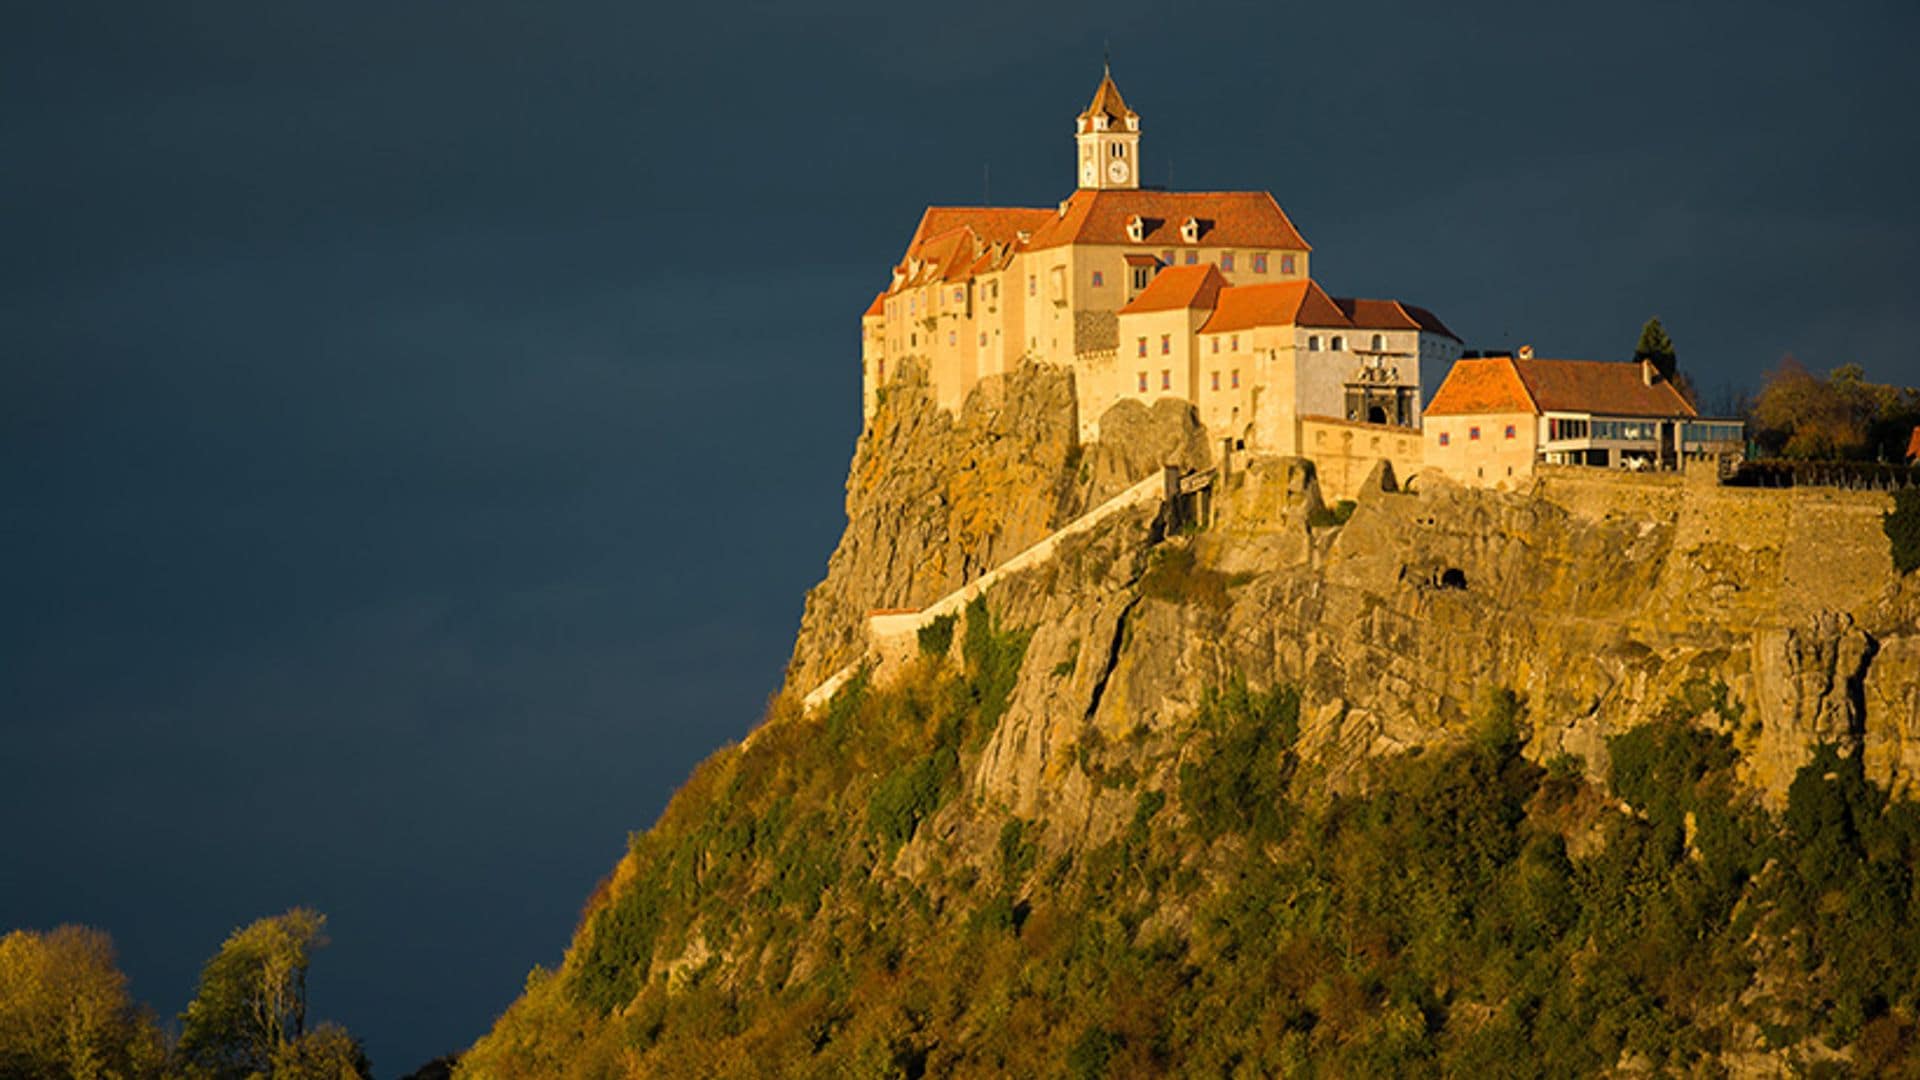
{"points": [[1337, 343], [1313, 342], [1379, 343]]}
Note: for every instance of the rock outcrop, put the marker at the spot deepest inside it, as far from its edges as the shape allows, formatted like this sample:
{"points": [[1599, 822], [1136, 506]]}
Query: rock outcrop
{"points": [[936, 499], [1605, 600]]}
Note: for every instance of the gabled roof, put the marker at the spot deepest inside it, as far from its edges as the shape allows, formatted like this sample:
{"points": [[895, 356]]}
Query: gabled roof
{"points": [[878, 307], [989, 224], [1232, 219], [1502, 384], [1107, 102], [1608, 387], [1481, 385], [1179, 287], [1391, 315], [1276, 303]]}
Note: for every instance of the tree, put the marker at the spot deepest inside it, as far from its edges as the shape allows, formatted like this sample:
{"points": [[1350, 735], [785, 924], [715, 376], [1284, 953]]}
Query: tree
{"points": [[65, 1012], [1800, 415], [325, 1053], [1656, 346], [250, 1013]]}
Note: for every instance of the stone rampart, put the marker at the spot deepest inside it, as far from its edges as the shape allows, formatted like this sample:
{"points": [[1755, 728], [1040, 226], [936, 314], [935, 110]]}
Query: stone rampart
{"points": [[1344, 452]]}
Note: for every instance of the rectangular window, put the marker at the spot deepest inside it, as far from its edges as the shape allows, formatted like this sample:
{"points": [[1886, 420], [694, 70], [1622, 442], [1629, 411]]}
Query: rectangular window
{"points": [[1098, 280], [1167, 256], [1509, 431], [1143, 382], [1166, 379], [1193, 257], [1033, 285], [1216, 346], [1166, 344], [1236, 378], [953, 338], [1286, 264], [959, 294], [882, 366], [1444, 439], [1216, 380], [1140, 277], [1143, 352], [1473, 433], [1226, 260], [983, 337], [1233, 343], [1259, 262]]}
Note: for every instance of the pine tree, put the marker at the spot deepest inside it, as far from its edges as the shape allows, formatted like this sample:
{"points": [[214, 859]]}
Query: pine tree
{"points": [[1656, 346]]}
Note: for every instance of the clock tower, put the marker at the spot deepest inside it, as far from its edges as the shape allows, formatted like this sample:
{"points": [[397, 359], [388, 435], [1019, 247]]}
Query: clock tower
{"points": [[1107, 139]]}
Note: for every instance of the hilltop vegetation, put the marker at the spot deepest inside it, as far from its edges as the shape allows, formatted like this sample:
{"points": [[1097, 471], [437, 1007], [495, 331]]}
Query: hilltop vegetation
{"points": [[804, 908]]}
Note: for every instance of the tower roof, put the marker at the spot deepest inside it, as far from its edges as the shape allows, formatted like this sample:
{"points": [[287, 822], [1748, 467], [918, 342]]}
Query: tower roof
{"points": [[1107, 102]]}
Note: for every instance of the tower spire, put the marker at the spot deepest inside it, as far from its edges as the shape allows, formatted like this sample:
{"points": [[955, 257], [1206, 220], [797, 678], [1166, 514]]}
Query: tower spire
{"points": [[1107, 135]]}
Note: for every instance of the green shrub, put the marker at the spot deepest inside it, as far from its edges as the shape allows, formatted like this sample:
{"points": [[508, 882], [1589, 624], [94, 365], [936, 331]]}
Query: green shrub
{"points": [[936, 638], [1657, 766], [1090, 1053], [1902, 527], [1237, 782], [1017, 853], [1174, 574], [993, 656], [1337, 514], [904, 798]]}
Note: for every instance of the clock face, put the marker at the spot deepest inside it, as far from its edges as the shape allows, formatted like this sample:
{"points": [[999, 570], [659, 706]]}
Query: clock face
{"points": [[1088, 174], [1117, 171]]}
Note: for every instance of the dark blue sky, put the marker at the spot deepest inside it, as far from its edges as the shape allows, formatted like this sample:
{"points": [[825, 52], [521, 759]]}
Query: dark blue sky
{"points": [[422, 420]]}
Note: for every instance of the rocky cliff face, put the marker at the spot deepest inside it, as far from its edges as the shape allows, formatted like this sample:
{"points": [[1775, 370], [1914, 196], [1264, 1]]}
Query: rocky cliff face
{"points": [[1601, 599], [935, 500], [1394, 623], [1236, 799]]}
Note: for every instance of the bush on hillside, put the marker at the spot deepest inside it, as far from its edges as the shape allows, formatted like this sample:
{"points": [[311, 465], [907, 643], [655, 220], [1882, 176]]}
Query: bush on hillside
{"points": [[1902, 527]]}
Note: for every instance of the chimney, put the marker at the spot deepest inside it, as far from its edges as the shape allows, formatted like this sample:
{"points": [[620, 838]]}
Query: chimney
{"points": [[1526, 352], [1646, 371]]}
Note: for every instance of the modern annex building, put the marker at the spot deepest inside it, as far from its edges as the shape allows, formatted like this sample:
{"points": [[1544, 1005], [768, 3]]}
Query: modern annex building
{"points": [[1201, 296]]}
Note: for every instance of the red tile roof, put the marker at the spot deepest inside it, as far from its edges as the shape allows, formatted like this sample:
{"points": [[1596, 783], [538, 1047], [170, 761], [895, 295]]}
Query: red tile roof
{"points": [[1277, 303], [991, 224], [878, 307], [1913, 445], [1232, 219], [1391, 315], [1502, 384], [1179, 287], [1475, 386], [1607, 387]]}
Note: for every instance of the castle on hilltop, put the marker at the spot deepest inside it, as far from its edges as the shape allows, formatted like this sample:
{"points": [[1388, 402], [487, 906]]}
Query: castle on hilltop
{"points": [[1207, 297]]}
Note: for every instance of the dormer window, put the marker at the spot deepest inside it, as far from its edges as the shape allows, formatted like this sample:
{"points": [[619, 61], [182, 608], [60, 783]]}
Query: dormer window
{"points": [[1135, 228], [1190, 231]]}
